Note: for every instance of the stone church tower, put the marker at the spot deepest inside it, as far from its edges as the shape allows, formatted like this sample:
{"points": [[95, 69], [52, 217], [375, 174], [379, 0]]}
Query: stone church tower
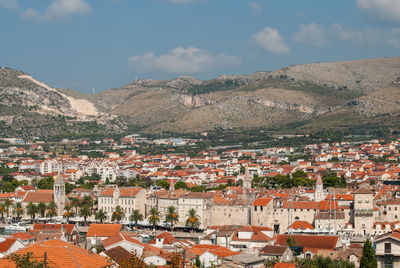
{"points": [[247, 180], [319, 190], [59, 194]]}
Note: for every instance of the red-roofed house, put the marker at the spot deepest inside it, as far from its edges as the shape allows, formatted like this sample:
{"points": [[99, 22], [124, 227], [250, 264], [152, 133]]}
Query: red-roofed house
{"points": [[98, 232], [211, 255], [252, 237], [10, 245]]}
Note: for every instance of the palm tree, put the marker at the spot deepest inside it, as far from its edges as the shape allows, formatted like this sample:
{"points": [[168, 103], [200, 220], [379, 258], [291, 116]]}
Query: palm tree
{"points": [[51, 210], [118, 214], [18, 210], [154, 217], [101, 215], [7, 204], [41, 208], [2, 210], [136, 216], [87, 201], [75, 203], [68, 212], [85, 212], [193, 219], [172, 216], [31, 210], [291, 241]]}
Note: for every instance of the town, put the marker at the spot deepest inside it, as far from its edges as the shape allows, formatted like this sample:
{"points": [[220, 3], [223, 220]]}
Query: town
{"points": [[266, 207]]}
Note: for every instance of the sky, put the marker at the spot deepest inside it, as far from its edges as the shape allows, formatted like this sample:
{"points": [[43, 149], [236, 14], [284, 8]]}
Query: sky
{"points": [[103, 44]]}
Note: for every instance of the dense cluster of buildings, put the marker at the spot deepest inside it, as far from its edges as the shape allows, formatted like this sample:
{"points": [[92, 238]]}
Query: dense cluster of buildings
{"points": [[240, 218]]}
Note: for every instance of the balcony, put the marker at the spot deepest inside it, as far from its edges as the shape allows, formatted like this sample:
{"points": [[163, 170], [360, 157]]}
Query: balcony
{"points": [[363, 212]]}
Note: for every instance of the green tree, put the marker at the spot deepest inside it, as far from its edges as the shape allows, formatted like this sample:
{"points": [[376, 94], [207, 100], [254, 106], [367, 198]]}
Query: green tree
{"points": [[154, 217], [46, 183], [87, 201], [7, 204], [193, 218], [85, 212], [51, 210], [25, 261], [180, 184], [41, 207], [118, 214], [172, 216], [31, 210], [163, 183], [18, 210], [101, 215], [291, 241], [68, 212], [368, 259], [75, 203], [136, 216], [2, 210]]}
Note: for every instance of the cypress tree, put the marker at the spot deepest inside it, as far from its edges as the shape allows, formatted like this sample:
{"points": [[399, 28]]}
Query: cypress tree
{"points": [[368, 259]]}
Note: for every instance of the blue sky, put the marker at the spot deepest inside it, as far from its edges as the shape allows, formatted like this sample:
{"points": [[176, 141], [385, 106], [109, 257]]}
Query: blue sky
{"points": [[102, 44]]}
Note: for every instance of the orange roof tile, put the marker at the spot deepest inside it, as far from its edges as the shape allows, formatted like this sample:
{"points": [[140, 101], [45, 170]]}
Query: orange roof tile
{"points": [[103, 230], [63, 254], [262, 201]]}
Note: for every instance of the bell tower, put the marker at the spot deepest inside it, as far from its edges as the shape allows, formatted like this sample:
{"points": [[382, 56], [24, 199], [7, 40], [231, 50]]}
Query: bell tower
{"points": [[59, 194], [319, 190]]}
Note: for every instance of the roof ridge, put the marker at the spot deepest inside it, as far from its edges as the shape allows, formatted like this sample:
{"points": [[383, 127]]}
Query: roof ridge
{"points": [[72, 256]]}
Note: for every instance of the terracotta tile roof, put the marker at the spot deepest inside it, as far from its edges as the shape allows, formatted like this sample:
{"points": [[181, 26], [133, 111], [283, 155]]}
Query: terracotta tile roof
{"points": [[284, 265], [217, 250], [363, 191], [168, 239], [301, 225], [23, 236], [7, 243], [50, 227], [6, 263], [39, 196], [118, 238], [257, 234], [63, 254], [103, 230], [118, 254], [327, 205], [273, 250], [262, 201], [124, 192], [309, 241]]}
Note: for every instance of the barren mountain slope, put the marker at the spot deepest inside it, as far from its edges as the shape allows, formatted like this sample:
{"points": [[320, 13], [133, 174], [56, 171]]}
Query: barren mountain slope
{"points": [[368, 75]]}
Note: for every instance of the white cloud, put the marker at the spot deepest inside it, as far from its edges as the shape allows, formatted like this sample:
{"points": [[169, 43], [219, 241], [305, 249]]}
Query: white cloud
{"points": [[361, 38], [62, 9], [381, 10], [181, 60], [256, 7], [271, 41], [9, 4], [30, 14], [312, 34]]}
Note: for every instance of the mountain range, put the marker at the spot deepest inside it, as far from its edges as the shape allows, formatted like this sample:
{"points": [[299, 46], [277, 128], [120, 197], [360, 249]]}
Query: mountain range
{"points": [[352, 95]]}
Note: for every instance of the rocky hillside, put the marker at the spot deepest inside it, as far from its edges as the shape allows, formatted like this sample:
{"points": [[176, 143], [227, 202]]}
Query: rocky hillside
{"points": [[29, 107], [300, 98], [300, 93]]}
